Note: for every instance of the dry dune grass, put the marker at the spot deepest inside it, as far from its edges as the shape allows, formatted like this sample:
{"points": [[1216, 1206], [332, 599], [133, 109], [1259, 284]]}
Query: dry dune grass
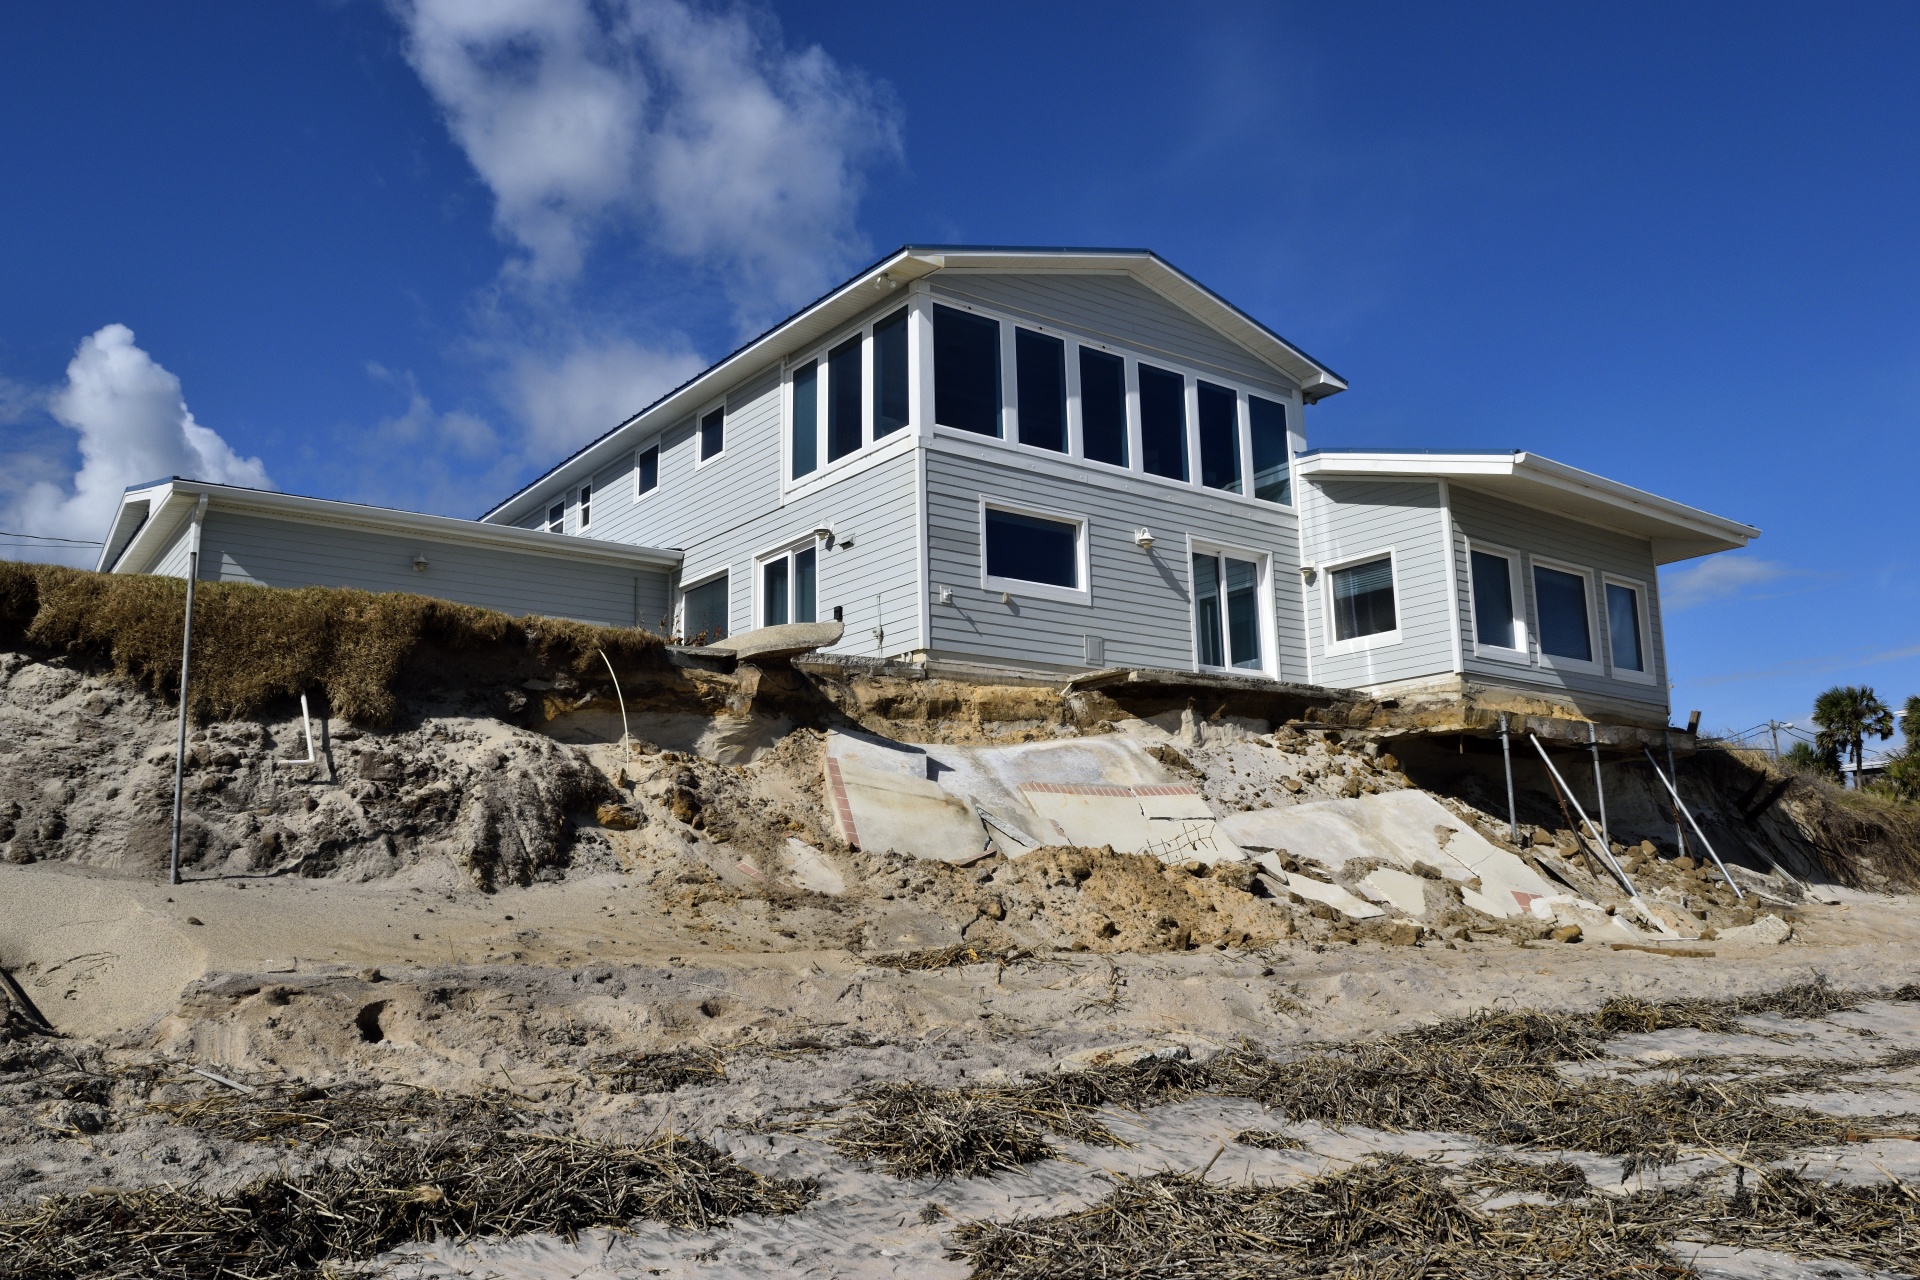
{"points": [[255, 645]]}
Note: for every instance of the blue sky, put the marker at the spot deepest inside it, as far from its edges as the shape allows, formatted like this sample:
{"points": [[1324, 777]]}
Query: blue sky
{"points": [[386, 252]]}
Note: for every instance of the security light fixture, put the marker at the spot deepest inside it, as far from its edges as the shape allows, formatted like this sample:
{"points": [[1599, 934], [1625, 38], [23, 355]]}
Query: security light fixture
{"points": [[420, 562], [1143, 538], [825, 534], [1306, 574]]}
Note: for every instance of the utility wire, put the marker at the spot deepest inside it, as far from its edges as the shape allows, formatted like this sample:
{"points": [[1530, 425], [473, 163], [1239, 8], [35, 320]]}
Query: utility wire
{"points": [[42, 537]]}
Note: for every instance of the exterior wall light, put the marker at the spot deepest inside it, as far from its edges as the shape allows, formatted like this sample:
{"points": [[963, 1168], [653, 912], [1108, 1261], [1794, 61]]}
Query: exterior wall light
{"points": [[1307, 572], [1143, 538], [420, 562]]}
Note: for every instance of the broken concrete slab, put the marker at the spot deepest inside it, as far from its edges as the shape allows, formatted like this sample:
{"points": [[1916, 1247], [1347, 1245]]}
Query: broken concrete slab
{"points": [[1406, 828], [1346, 903], [808, 868], [777, 643], [878, 808], [1767, 930], [1170, 821], [1402, 890]]}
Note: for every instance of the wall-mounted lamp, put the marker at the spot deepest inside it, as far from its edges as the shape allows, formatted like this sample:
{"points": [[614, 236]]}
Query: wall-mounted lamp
{"points": [[885, 283], [825, 534], [1143, 538], [946, 595], [419, 562], [1307, 572], [1006, 597]]}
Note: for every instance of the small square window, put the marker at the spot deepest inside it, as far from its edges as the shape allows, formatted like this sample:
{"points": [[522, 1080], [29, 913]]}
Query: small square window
{"points": [[647, 470], [1363, 600], [789, 589], [713, 434], [557, 517]]}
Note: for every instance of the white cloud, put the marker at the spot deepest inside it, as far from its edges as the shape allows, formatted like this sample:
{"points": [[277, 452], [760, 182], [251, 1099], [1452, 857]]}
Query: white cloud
{"points": [[421, 424], [1716, 578], [133, 425], [572, 398], [699, 131]]}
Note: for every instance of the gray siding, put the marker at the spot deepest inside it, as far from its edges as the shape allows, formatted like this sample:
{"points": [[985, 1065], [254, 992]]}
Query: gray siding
{"points": [[1345, 518], [172, 563], [1141, 601], [1117, 308], [725, 512], [238, 547], [1481, 517]]}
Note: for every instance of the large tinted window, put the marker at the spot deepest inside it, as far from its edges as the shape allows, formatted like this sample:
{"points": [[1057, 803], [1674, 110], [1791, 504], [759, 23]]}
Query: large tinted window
{"points": [[1243, 612], [1103, 407], [1623, 628], [1363, 599], [890, 374], [1219, 438], [966, 371], [1032, 549], [1561, 601], [773, 592], [844, 429], [713, 434], [648, 477], [704, 613], [1163, 422], [1268, 420], [1493, 601], [1209, 635], [1041, 363], [806, 419]]}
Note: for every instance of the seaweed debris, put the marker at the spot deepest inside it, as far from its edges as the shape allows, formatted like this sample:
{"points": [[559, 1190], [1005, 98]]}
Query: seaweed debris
{"points": [[918, 1131], [1394, 1217], [659, 1072], [953, 957]]}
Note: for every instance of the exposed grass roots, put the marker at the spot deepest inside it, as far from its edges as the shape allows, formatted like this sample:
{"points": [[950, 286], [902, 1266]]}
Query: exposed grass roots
{"points": [[953, 957], [659, 1072], [1392, 1217], [917, 1131], [254, 645]]}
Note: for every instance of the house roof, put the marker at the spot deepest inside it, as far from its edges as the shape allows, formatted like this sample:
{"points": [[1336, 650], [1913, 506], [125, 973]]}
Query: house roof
{"points": [[151, 514], [1677, 531], [911, 262]]}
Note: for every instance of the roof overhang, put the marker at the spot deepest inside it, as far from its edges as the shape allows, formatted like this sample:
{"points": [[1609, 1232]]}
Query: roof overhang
{"points": [[151, 515], [821, 319], [1677, 531]]}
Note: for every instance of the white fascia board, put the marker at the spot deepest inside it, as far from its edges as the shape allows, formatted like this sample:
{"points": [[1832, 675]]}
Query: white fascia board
{"points": [[164, 516], [183, 494], [1677, 531], [804, 330]]}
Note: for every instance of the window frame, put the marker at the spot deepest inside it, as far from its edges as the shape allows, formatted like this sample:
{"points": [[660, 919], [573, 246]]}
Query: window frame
{"points": [[1557, 662], [1082, 595], [700, 433], [551, 525], [1263, 587], [654, 445], [1519, 578], [725, 572], [787, 551], [1646, 629], [582, 508], [1130, 358], [1378, 640], [870, 445]]}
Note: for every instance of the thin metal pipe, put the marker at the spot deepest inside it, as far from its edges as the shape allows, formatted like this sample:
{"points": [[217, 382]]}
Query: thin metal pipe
{"points": [[1506, 758], [1708, 844], [1679, 832], [626, 742], [186, 654], [1606, 854], [1599, 787]]}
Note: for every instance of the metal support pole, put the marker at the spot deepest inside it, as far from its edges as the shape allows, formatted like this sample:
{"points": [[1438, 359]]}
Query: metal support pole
{"points": [[1606, 854], [1506, 758], [1599, 787], [186, 654], [1679, 833], [1678, 803]]}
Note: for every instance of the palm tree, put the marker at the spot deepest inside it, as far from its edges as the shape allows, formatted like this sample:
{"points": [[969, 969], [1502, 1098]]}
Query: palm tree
{"points": [[1847, 716]]}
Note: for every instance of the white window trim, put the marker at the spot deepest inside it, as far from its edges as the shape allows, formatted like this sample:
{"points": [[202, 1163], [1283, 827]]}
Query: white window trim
{"points": [[1038, 590], [825, 469], [659, 479], [783, 551], [1009, 437], [547, 523], [1517, 582], [680, 604], [1555, 662], [699, 434], [1379, 639], [1269, 632], [582, 508], [1646, 629]]}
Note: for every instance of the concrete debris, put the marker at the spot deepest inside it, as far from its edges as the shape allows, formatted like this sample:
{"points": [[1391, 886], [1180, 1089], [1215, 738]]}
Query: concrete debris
{"points": [[777, 644], [808, 868], [1346, 903], [1768, 929]]}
